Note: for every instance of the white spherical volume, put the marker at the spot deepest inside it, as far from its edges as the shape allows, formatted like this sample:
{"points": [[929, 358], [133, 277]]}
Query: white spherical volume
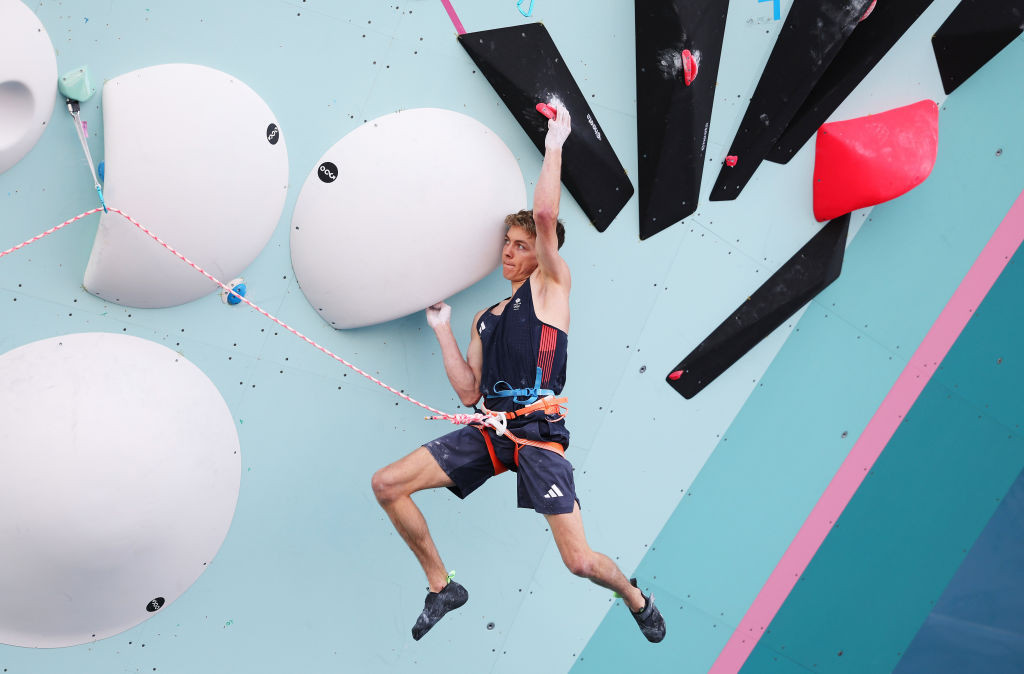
{"points": [[119, 476]]}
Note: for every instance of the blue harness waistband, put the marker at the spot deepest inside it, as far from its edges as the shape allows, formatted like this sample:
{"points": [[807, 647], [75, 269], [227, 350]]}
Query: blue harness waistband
{"points": [[520, 396]]}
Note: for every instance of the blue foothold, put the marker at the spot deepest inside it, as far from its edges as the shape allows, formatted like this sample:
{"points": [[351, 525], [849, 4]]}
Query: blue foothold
{"points": [[99, 169], [235, 297]]}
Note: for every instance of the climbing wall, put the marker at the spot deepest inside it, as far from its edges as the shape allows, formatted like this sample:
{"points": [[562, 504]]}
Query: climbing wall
{"points": [[700, 497]]}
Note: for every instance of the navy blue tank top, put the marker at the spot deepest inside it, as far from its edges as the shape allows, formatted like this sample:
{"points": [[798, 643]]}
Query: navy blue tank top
{"points": [[515, 344]]}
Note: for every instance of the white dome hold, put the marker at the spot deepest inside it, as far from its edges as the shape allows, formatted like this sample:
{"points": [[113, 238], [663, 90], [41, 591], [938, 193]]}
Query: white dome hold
{"points": [[404, 211], [28, 81], [119, 476], [197, 157]]}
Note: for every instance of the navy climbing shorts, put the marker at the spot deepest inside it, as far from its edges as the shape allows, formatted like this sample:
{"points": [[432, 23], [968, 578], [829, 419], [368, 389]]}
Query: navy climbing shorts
{"points": [[544, 481]]}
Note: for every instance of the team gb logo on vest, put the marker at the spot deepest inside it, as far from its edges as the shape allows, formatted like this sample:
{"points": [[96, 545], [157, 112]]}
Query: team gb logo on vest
{"points": [[515, 305]]}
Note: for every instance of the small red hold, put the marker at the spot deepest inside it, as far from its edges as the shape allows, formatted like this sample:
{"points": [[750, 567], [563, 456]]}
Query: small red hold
{"points": [[546, 110], [731, 160], [676, 375], [867, 12], [689, 67]]}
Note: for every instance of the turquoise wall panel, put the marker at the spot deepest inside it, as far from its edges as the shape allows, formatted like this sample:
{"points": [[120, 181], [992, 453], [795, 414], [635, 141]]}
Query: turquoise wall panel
{"points": [[977, 625], [888, 558]]}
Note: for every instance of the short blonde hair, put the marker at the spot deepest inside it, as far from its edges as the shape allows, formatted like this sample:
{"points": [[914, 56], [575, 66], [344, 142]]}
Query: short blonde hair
{"points": [[524, 220]]}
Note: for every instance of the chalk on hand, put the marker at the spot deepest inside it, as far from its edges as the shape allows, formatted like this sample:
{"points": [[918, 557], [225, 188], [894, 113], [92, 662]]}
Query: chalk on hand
{"points": [[546, 110], [76, 85]]}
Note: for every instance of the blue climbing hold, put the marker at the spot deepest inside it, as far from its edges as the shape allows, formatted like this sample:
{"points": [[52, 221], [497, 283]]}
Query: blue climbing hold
{"points": [[99, 169], [234, 298]]}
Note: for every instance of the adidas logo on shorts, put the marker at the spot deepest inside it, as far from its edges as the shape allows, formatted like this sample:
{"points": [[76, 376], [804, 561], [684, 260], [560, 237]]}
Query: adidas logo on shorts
{"points": [[554, 492]]}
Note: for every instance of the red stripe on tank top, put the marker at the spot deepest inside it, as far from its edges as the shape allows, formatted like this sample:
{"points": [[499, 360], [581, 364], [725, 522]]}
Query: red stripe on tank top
{"points": [[546, 354]]}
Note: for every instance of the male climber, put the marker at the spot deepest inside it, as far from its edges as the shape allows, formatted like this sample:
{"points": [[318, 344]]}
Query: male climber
{"points": [[516, 360]]}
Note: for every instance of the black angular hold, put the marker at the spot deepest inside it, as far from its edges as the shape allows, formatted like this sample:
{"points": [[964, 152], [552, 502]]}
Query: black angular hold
{"points": [[812, 35], [872, 39], [796, 283], [673, 118], [972, 35], [525, 68]]}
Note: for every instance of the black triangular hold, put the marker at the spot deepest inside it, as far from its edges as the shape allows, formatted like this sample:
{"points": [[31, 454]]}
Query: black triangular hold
{"points": [[796, 283], [813, 34], [973, 33], [525, 68], [870, 41], [673, 119]]}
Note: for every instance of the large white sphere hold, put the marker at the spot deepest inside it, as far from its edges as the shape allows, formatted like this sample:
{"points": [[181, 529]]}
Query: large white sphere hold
{"points": [[406, 210], [28, 81], [119, 475], [198, 158]]}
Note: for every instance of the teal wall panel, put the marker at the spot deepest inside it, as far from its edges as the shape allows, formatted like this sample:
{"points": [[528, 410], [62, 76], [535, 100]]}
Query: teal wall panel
{"points": [[917, 513], [900, 540], [991, 378], [977, 625]]}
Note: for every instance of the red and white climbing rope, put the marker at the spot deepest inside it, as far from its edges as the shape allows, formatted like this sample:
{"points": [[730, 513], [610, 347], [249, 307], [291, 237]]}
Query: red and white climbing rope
{"points": [[49, 231], [438, 414]]}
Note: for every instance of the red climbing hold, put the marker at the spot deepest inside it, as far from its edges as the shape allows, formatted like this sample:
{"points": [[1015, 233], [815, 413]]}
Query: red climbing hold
{"points": [[546, 110], [731, 160], [676, 375], [865, 161], [689, 67], [867, 12]]}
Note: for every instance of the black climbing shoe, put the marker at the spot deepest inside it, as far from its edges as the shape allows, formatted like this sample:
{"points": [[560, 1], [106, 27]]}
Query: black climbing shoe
{"points": [[451, 597], [649, 618]]}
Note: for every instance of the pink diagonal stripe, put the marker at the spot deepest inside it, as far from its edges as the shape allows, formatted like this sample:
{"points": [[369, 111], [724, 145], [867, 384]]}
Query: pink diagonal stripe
{"points": [[936, 344], [454, 17]]}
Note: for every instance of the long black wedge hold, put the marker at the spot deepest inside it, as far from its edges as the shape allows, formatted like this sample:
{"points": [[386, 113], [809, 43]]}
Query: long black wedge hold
{"points": [[872, 40], [525, 68], [796, 283], [673, 103], [814, 32], [972, 35]]}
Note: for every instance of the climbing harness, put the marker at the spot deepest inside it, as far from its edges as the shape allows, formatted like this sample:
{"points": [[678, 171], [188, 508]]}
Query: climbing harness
{"points": [[499, 467], [535, 399], [549, 405]]}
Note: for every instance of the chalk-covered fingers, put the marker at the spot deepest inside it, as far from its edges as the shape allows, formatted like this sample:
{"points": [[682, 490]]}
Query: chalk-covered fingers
{"points": [[438, 315], [559, 127]]}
